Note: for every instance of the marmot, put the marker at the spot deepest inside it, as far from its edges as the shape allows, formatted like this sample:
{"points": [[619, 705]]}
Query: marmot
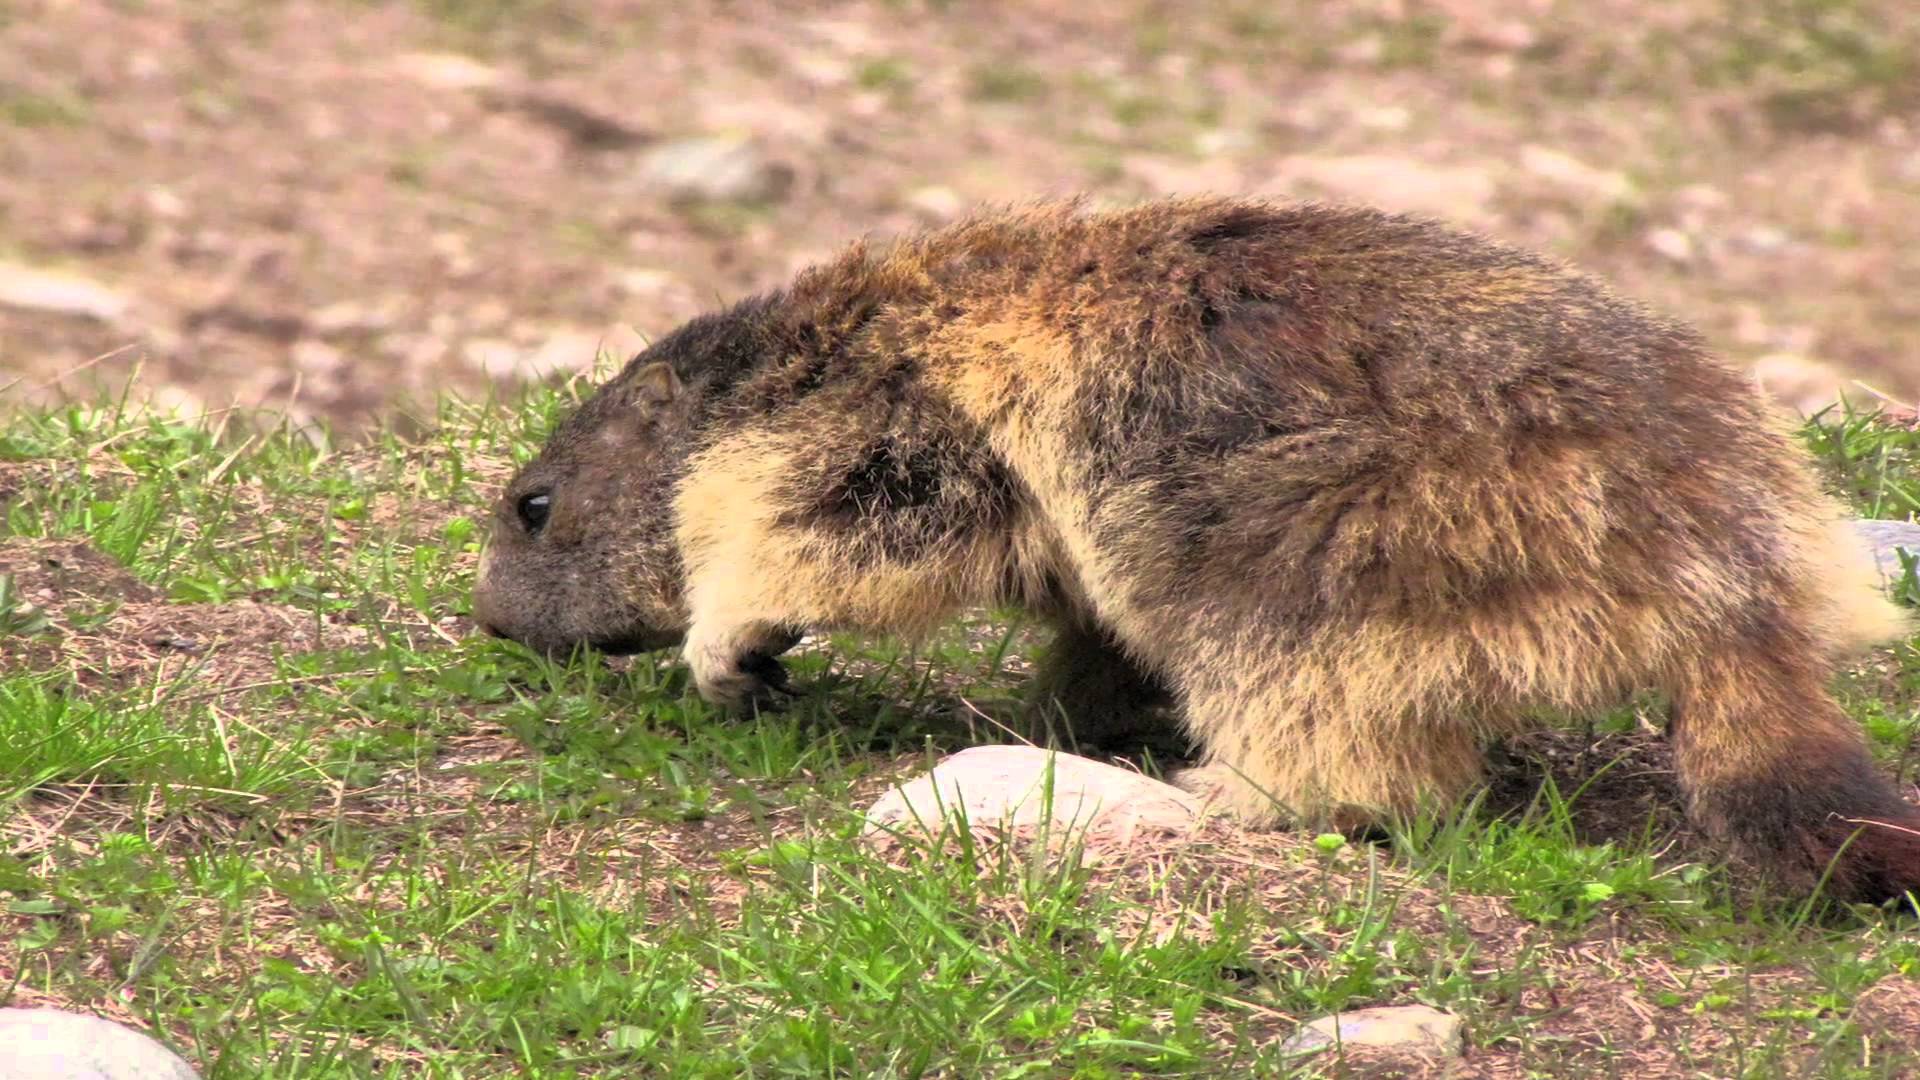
{"points": [[1356, 491]]}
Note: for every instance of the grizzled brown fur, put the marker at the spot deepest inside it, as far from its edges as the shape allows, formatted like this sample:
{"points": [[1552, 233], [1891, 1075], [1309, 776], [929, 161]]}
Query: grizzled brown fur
{"points": [[1355, 491]]}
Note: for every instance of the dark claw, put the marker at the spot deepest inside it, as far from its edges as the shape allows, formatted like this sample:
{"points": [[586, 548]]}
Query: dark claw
{"points": [[768, 672]]}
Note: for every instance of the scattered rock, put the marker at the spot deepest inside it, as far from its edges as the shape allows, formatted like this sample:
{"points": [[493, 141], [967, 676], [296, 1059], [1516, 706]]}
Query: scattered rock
{"points": [[1383, 117], [1459, 192], [1018, 787], [1404, 1027], [1672, 245], [316, 358], [1575, 177], [1702, 197], [164, 203], [33, 289], [649, 281], [455, 250], [448, 71], [715, 168], [1765, 239], [821, 68], [1219, 142], [1909, 168], [49, 1044], [1887, 538], [354, 317], [1363, 51], [936, 203]]}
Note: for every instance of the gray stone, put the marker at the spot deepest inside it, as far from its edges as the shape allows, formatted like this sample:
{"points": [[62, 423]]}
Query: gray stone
{"points": [[1016, 787], [1403, 1027], [1886, 538], [49, 1044], [715, 168]]}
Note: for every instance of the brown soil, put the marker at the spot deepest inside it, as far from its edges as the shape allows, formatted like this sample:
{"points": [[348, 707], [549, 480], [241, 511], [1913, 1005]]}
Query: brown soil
{"points": [[336, 207]]}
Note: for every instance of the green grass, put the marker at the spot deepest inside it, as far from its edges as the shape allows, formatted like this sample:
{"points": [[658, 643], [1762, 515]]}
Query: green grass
{"points": [[1005, 82], [361, 843], [22, 109]]}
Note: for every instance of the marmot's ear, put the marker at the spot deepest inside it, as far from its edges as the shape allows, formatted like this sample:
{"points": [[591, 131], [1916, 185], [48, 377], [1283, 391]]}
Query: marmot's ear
{"points": [[653, 385]]}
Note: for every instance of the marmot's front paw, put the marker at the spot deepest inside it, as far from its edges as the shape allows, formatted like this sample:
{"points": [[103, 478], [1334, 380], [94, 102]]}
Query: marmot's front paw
{"points": [[734, 675]]}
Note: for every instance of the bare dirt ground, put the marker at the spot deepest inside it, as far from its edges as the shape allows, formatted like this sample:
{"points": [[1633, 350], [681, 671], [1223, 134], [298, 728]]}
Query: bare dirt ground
{"points": [[345, 207]]}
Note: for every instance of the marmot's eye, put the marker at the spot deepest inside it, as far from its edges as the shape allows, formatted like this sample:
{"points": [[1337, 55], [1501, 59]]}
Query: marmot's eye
{"points": [[533, 511]]}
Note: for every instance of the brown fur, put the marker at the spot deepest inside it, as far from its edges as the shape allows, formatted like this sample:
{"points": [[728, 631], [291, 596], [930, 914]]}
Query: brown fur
{"points": [[1359, 492]]}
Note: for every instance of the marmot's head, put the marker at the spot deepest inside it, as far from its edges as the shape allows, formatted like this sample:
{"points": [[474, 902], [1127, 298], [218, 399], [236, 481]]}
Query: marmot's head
{"points": [[582, 550]]}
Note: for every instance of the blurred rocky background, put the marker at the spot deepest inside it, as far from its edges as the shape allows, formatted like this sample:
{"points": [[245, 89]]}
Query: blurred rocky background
{"points": [[342, 208]]}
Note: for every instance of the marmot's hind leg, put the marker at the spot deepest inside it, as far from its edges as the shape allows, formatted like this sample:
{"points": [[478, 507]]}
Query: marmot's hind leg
{"points": [[1314, 753], [1087, 693]]}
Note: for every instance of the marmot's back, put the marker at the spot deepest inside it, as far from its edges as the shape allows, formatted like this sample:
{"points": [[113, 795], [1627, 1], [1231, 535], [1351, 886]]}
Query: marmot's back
{"points": [[1360, 411]]}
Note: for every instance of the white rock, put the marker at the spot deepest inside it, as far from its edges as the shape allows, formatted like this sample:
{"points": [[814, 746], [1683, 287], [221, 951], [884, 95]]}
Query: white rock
{"points": [[455, 250], [1362, 51], [447, 71], [1576, 177], [1702, 197], [1407, 1027], [936, 203], [1218, 142], [716, 168], [354, 316], [1013, 787], [1393, 183], [821, 69], [1765, 239], [49, 1044], [1383, 117], [1671, 244], [32, 289], [312, 358], [165, 203], [649, 281]]}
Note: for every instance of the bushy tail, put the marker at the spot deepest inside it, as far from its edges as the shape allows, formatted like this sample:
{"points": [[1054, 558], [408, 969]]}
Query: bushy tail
{"points": [[1771, 763]]}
